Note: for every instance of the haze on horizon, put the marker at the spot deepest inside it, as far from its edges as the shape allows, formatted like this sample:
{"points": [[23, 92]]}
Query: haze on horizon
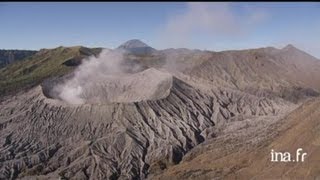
{"points": [[207, 26]]}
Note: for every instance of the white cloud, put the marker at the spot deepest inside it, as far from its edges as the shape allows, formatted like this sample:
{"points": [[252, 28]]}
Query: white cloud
{"points": [[211, 19]]}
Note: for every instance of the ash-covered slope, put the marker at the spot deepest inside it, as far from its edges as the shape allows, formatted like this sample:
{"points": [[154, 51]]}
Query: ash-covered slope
{"points": [[247, 153], [47, 137], [260, 71], [149, 84]]}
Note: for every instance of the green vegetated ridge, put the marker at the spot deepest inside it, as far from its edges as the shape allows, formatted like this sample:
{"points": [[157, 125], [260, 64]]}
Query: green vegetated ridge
{"points": [[46, 63]]}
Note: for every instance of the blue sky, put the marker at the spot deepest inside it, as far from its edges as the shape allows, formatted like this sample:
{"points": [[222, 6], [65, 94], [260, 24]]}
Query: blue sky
{"points": [[210, 26]]}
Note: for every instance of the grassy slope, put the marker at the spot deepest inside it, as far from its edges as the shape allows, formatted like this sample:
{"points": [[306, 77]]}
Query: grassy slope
{"points": [[33, 70]]}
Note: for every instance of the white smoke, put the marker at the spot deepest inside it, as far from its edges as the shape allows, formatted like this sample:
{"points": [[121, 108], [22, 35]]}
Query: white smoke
{"points": [[92, 71]]}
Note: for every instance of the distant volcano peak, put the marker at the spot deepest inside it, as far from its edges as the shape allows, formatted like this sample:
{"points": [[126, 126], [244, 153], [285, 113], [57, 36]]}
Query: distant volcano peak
{"points": [[289, 47], [137, 47], [133, 43]]}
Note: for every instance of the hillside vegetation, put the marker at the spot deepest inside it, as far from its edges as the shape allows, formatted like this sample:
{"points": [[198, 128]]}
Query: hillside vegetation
{"points": [[44, 64]]}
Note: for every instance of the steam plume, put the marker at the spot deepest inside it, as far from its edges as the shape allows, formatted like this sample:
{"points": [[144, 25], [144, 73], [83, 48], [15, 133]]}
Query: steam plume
{"points": [[90, 73]]}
